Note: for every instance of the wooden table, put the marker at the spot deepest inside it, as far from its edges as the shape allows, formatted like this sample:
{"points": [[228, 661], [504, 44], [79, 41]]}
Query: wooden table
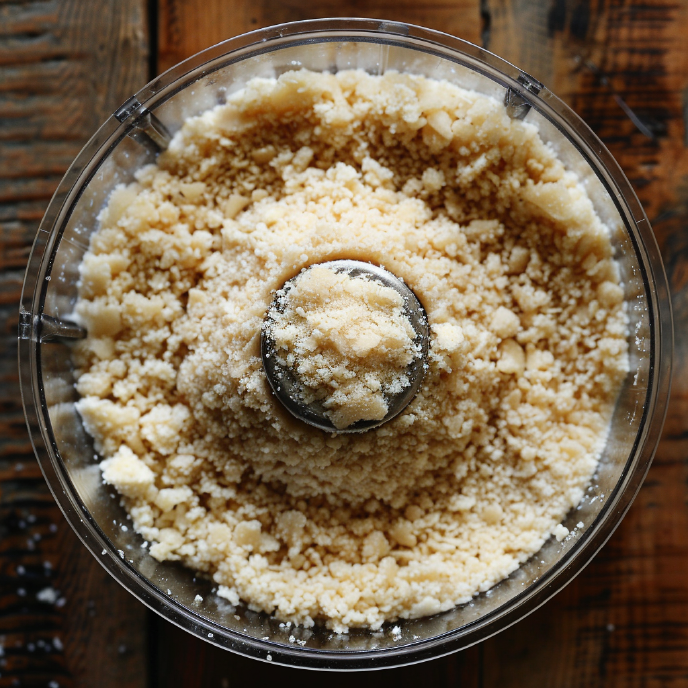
{"points": [[65, 65]]}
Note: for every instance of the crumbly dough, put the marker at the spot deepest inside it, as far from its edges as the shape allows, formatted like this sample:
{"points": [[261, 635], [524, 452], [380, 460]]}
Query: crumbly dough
{"points": [[348, 341], [512, 265]]}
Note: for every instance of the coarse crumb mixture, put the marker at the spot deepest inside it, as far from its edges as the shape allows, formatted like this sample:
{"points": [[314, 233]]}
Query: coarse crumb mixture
{"points": [[512, 265], [348, 341]]}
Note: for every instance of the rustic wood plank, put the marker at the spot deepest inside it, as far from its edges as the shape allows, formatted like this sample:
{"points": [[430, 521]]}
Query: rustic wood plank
{"points": [[624, 621], [187, 26], [64, 66], [187, 662], [36, 158]]}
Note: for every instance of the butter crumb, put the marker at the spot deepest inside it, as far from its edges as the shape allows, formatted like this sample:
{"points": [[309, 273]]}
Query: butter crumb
{"points": [[505, 252], [347, 340]]}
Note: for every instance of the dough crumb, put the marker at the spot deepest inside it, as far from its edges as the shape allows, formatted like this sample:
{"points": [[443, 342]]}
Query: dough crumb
{"points": [[561, 532], [502, 247], [347, 340]]}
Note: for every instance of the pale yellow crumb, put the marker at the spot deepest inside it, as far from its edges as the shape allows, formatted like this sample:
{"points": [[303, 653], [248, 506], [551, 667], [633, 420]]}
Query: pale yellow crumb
{"points": [[348, 342], [528, 346]]}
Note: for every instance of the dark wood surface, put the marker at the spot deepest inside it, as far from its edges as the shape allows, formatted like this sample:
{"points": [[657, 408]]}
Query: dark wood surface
{"points": [[65, 65]]}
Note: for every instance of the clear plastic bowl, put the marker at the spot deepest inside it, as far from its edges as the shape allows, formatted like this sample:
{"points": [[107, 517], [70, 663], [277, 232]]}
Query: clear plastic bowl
{"points": [[131, 138]]}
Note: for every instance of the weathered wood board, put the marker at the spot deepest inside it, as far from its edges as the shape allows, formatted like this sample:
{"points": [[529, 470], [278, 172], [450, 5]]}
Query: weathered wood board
{"points": [[624, 621], [187, 26], [64, 66]]}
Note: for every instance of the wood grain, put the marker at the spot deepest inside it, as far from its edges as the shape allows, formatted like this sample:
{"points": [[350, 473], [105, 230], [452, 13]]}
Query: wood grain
{"points": [[624, 621], [188, 662], [64, 66], [187, 26]]}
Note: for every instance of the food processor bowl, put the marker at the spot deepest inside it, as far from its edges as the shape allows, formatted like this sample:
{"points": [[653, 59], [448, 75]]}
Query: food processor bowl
{"points": [[131, 138]]}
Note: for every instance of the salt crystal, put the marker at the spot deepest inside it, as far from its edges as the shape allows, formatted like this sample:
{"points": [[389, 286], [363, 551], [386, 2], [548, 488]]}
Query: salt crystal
{"points": [[48, 595]]}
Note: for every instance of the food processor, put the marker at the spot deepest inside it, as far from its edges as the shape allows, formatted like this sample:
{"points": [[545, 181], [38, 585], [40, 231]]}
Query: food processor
{"points": [[132, 137]]}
